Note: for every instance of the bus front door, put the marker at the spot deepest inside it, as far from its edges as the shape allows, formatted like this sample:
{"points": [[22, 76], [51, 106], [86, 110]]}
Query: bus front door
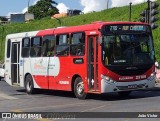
{"points": [[15, 62], [93, 63]]}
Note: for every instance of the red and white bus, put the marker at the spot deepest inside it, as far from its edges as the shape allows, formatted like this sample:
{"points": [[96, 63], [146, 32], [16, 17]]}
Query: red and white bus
{"points": [[100, 57]]}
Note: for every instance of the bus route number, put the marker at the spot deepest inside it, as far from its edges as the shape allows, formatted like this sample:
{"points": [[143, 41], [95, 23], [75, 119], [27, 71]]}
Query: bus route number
{"points": [[113, 28]]}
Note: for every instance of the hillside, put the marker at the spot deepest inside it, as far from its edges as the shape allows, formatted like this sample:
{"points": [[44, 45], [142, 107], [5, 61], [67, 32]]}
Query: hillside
{"points": [[114, 14]]}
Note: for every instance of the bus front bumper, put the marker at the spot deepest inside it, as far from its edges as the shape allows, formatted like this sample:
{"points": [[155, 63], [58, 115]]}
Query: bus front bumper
{"points": [[113, 86]]}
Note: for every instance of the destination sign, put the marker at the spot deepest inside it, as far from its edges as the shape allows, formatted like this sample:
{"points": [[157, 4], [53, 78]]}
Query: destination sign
{"points": [[121, 28]]}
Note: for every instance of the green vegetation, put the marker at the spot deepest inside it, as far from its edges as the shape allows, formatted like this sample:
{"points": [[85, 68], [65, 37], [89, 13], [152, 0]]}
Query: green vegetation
{"points": [[114, 14], [43, 8]]}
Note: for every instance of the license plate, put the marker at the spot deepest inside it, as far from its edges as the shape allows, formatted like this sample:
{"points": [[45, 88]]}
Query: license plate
{"points": [[132, 86]]}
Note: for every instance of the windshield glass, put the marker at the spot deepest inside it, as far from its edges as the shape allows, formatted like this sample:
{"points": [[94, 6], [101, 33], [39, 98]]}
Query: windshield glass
{"points": [[127, 49]]}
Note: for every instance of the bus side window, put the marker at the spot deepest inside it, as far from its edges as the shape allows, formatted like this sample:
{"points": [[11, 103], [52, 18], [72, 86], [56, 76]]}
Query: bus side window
{"points": [[36, 46], [8, 48], [62, 45], [25, 47], [77, 44], [48, 46]]}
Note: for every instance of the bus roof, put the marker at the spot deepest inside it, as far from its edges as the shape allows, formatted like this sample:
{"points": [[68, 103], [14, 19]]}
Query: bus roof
{"points": [[92, 26], [60, 30]]}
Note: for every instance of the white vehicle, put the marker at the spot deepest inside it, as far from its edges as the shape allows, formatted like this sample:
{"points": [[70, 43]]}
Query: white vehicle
{"points": [[2, 71]]}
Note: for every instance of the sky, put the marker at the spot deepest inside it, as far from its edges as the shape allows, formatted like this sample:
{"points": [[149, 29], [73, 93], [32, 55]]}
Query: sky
{"points": [[20, 6]]}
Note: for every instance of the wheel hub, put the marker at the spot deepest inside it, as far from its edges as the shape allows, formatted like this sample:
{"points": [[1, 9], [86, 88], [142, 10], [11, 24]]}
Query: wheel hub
{"points": [[29, 86], [80, 88]]}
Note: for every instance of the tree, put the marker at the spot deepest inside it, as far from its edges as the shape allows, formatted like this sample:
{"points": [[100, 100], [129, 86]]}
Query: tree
{"points": [[3, 18], [43, 8]]}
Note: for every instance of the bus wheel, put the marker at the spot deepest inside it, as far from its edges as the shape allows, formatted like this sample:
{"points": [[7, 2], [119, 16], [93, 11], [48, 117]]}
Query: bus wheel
{"points": [[124, 93], [79, 89], [29, 84]]}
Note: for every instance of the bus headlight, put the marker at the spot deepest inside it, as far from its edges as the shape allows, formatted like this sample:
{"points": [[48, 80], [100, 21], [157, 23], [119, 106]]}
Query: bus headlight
{"points": [[107, 79], [152, 77], [112, 81]]}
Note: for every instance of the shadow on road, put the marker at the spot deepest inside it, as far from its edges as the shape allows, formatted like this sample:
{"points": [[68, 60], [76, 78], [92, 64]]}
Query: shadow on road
{"points": [[155, 92], [14, 91]]}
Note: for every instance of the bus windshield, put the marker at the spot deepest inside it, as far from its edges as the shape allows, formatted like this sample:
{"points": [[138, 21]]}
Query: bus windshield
{"points": [[127, 49]]}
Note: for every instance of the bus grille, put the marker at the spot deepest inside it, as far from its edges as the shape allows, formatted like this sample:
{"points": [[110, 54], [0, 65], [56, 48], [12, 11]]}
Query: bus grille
{"points": [[129, 72]]}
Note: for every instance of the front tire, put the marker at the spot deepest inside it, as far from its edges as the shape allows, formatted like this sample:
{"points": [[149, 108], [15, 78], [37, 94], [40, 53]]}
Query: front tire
{"points": [[29, 86], [79, 89]]}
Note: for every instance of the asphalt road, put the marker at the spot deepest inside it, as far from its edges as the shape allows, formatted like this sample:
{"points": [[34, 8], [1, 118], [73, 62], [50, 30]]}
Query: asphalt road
{"points": [[14, 99]]}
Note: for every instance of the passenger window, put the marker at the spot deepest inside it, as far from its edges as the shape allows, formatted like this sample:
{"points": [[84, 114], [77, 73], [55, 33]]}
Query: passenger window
{"points": [[78, 44], [36, 46], [48, 46], [25, 47], [8, 48], [62, 45]]}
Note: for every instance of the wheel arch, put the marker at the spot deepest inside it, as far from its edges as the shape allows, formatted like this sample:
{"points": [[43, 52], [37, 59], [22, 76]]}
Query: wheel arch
{"points": [[73, 80], [26, 76]]}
